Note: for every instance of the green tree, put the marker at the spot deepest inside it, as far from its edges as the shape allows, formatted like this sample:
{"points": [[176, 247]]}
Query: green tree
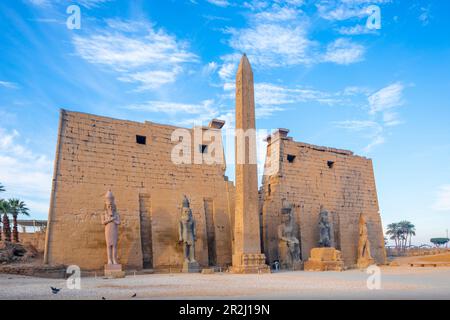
{"points": [[17, 207], [5, 209], [402, 233], [393, 231], [2, 188], [439, 241]]}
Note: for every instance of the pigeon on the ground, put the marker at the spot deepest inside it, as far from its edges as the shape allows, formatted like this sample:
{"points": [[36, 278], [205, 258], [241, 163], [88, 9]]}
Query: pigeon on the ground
{"points": [[134, 295], [103, 298], [55, 290]]}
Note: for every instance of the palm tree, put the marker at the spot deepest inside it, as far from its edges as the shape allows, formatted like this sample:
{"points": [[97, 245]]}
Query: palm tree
{"points": [[2, 188], [4, 208], [17, 207], [411, 231], [393, 230], [407, 230]]}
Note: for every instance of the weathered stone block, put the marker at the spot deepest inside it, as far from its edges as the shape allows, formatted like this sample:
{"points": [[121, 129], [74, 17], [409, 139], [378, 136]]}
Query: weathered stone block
{"points": [[324, 259]]}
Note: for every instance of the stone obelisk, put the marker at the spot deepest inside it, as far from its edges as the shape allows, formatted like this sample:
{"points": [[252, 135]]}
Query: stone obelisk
{"points": [[247, 256]]}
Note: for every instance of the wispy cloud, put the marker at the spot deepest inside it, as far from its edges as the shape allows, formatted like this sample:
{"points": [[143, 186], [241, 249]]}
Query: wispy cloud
{"points": [[279, 34], [24, 173], [356, 30], [184, 114], [442, 202], [84, 3], [386, 98], [340, 10], [381, 110], [137, 51], [271, 98], [344, 51], [425, 15], [370, 129], [273, 45], [173, 108], [220, 3], [9, 85], [210, 68]]}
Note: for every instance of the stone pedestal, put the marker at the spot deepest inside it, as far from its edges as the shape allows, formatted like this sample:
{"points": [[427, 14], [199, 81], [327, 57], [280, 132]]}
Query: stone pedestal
{"points": [[250, 263], [191, 267], [364, 263], [114, 271], [324, 259]]}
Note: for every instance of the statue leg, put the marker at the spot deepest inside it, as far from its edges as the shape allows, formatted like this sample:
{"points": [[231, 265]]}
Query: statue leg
{"points": [[114, 254], [191, 253], [290, 255], [297, 252], [109, 253], [186, 252]]}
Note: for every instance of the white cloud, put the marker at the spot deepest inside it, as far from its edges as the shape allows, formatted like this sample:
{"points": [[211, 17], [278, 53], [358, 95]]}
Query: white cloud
{"points": [[391, 119], [273, 45], [358, 125], [425, 16], [228, 70], [386, 98], [356, 30], [278, 35], [370, 129], [344, 51], [339, 10], [151, 79], [184, 114], [210, 68], [137, 51], [278, 13], [8, 85], [381, 111], [271, 98], [443, 199], [378, 140], [24, 174], [220, 3], [85, 3], [270, 95], [173, 108]]}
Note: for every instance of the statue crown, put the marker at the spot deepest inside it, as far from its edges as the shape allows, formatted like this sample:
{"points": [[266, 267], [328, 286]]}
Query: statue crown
{"points": [[186, 202], [109, 197]]}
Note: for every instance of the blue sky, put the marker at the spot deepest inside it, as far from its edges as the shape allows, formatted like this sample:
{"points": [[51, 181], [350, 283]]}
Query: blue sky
{"points": [[319, 71]]}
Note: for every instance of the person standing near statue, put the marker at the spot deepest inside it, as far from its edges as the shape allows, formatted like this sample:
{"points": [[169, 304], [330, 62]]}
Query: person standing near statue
{"points": [[187, 237]]}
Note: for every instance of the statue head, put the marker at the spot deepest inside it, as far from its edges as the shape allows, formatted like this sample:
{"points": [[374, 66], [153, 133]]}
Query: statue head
{"points": [[286, 213], [186, 212], [110, 204], [323, 214]]}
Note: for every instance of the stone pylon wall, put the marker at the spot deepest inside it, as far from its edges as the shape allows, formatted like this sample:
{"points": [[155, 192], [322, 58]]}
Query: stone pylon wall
{"points": [[97, 153], [346, 189]]}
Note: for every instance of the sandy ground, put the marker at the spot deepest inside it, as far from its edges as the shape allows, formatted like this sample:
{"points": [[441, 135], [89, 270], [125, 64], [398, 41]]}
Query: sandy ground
{"points": [[396, 283], [440, 258]]}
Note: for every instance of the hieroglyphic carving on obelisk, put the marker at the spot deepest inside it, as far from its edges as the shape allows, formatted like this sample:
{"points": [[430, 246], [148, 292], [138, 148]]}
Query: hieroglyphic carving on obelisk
{"points": [[247, 256]]}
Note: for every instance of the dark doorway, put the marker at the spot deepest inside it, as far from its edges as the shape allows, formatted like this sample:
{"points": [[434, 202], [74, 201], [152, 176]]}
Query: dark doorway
{"points": [[146, 230], [210, 231]]}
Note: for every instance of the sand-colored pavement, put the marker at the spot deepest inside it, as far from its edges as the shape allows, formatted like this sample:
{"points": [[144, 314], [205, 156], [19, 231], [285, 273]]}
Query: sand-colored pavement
{"points": [[396, 283]]}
